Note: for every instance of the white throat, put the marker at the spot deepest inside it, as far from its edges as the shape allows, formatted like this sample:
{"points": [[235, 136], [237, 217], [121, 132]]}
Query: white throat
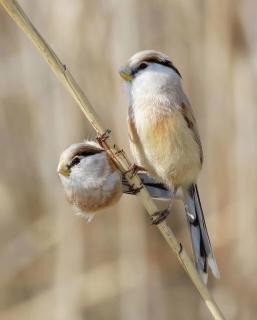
{"points": [[158, 82], [154, 92]]}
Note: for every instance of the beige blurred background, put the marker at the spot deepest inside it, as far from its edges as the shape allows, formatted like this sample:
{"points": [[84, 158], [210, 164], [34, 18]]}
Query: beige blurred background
{"points": [[55, 266]]}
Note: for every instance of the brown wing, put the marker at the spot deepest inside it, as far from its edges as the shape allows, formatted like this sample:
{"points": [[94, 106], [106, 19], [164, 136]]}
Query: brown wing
{"points": [[136, 147], [188, 114], [133, 136]]}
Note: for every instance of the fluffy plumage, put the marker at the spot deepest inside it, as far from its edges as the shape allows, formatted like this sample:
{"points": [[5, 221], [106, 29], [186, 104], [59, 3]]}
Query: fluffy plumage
{"points": [[164, 138], [92, 182]]}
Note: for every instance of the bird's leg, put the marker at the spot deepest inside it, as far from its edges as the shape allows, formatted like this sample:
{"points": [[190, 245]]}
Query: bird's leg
{"points": [[161, 215], [133, 169], [133, 190], [101, 138]]}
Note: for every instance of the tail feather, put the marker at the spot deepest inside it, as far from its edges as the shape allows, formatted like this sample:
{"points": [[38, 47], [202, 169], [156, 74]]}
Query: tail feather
{"points": [[201, 244]]}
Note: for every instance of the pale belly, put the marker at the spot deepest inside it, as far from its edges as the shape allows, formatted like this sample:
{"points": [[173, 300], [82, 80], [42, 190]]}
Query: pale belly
{"points": [[88, 198], [168, 149], [95, 200]]}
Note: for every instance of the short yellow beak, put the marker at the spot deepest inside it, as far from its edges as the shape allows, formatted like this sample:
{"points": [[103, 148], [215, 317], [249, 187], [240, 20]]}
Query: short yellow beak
{"points": [[63, 169], [125, 73]]}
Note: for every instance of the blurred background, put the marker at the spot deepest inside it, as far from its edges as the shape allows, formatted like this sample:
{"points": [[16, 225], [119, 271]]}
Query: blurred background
{"points": [[53, 265]]}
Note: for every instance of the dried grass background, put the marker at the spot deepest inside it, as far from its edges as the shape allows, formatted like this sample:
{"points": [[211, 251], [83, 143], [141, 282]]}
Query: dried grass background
{"points": [[55, 266]]}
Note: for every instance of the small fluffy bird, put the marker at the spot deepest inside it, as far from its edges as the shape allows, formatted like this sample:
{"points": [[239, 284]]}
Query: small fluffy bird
{"points": [[92, 182], [164, 139]]}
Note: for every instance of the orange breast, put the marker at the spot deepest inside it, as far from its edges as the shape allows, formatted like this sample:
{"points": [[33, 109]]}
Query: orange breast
{"points": [[170, 147]]}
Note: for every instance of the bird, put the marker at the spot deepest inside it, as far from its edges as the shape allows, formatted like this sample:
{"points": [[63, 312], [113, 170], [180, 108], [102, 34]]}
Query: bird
{"points": [[164, 139], [92, 182]]}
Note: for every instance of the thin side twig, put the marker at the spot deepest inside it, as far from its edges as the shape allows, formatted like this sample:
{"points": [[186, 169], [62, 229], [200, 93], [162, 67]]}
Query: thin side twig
{"points": [[118, 155]]}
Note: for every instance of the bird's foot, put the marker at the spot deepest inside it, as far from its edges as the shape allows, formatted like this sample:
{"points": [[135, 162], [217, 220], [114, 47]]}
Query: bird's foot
{"points": [[160, 216], [119, 152], [133, 190], [133, 169], [101, 138]]}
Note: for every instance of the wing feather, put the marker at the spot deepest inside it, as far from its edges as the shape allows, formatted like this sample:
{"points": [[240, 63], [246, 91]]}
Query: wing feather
{"points": [[188, 115]]}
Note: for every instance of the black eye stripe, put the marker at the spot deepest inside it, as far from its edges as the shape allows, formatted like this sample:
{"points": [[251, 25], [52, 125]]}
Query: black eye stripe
{"points": [[176, 70], [74, 162], [166, 63], [163, 62], [88, 153], [142, 66]]}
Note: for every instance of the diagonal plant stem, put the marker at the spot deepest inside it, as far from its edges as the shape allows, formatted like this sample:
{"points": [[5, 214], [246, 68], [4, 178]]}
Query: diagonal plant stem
{"points": [[119, 157]]}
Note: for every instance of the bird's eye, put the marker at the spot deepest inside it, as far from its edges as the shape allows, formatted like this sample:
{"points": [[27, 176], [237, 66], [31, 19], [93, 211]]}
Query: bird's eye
{"points": [[74, 161], [142, 66]]}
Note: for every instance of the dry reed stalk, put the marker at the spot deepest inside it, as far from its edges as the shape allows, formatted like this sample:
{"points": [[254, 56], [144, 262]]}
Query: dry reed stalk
{"points": [[118, 155]]}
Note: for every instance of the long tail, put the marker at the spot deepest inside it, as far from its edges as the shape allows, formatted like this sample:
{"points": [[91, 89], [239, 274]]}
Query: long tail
{"points": [[201, 244]]}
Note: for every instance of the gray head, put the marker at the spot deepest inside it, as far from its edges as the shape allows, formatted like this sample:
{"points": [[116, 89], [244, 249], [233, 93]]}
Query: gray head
{"points": [[77, 154], [144, 60]]}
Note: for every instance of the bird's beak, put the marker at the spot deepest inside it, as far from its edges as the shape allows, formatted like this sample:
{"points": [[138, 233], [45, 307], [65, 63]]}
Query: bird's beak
{"points": [[63, 169], [125, 73]]}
